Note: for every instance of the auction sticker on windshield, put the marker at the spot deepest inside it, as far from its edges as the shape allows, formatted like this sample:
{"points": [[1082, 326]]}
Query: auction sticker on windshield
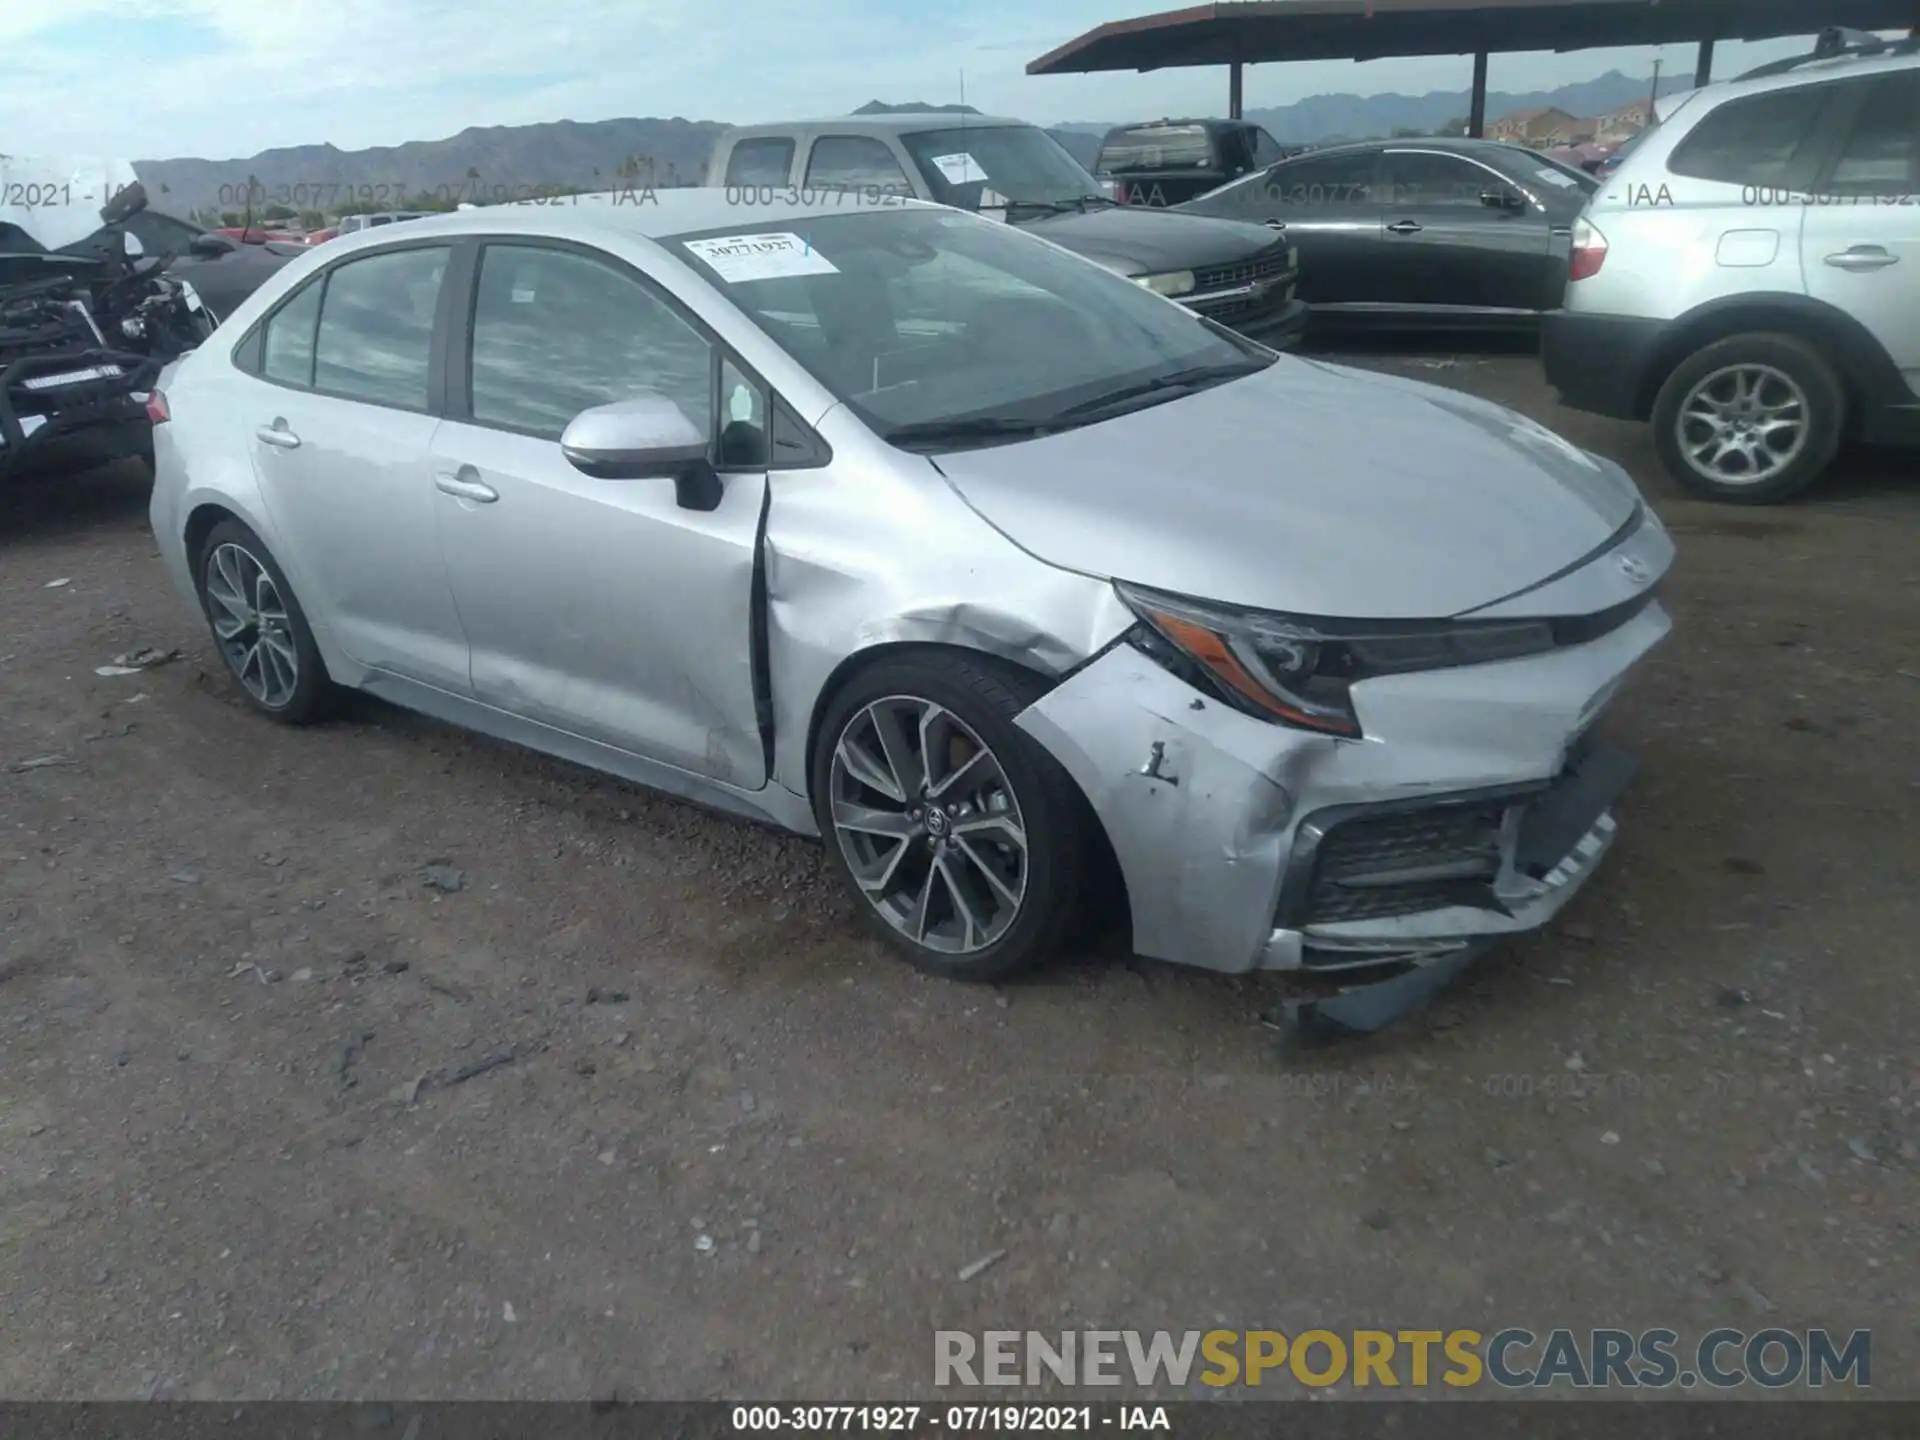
{"points": [[775, 256], [961, 169]]}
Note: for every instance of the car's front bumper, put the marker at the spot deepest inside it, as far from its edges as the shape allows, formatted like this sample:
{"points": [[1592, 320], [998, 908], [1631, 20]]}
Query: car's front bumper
{"points": [[71, 425], [1280, 328], [1476, 807]]}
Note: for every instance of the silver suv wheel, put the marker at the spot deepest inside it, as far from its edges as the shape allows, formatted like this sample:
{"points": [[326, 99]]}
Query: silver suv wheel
{"points": [[1751, 419], [1742, 425]]}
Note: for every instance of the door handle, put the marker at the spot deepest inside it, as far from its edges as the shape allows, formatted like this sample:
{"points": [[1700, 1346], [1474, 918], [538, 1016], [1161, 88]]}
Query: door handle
{"points": [[1406, 227], [466, 485], [1276, 224], [1862, 258], [277, 435]]}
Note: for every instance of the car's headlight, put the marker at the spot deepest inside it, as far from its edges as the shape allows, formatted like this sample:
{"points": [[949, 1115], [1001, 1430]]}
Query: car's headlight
{"points": [[1300, 670], [1169, 283]]}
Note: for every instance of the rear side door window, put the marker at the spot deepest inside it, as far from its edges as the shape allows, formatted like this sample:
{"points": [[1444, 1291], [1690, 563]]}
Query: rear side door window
{"points": [[1881, 154], [556, 332], [762, 160], [1340, 182], [375, 337], [855, 162]]}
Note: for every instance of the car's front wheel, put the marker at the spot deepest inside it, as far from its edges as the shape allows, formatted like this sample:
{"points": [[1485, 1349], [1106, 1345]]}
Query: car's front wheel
{"points": [[259, 627], [1752, 419], [966, 844]]}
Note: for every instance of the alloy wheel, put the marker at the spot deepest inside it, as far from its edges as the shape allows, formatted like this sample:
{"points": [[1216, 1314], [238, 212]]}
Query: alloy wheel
{"points": [[929, 824], [250, 621], [1743, 425]]}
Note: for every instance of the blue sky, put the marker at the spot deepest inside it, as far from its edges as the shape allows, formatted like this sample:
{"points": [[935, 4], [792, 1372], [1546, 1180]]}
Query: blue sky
{"points": [[150, 79]]}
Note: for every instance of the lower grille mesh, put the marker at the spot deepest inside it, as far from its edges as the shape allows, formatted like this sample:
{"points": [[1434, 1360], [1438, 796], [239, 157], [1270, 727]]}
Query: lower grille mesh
{"points": [[1376, 866]]}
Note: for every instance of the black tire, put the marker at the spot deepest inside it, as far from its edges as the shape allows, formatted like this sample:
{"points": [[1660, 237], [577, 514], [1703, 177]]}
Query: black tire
{"points": [[984, 694], [1803, 364], [313, 693]]}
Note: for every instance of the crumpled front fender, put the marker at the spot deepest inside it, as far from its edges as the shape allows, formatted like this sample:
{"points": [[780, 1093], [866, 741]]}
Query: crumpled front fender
{"points": [[1198, 820]]}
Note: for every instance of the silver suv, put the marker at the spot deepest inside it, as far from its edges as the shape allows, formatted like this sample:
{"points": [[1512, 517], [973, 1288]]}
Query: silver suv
{"points": [[1749, 279]]}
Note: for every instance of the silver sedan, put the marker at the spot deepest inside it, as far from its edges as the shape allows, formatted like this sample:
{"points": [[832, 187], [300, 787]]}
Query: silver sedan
{"points": [[893, 525]]}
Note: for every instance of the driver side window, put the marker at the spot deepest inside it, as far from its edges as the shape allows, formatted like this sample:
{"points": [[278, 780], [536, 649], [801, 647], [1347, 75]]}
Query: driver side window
{"points": [[556, 332], [855, 162]]}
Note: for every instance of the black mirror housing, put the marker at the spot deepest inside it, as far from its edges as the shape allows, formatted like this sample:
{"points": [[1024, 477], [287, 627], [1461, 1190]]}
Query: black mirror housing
{"points": [[127, 202]]}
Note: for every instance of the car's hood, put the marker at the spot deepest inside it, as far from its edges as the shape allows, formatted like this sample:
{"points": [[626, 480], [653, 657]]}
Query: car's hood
{"points": [[56, 199], [1136, 240], [1309, 488]]}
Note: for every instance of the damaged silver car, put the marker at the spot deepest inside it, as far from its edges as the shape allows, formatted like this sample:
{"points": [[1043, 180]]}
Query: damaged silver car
{"points": [[893, 525]]}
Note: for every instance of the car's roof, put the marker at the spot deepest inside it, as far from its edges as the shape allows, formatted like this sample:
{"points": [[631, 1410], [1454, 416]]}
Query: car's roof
{"points": [[1812, 72], [890, 123], [1211, 123], [1449, 144], [646, 213]]}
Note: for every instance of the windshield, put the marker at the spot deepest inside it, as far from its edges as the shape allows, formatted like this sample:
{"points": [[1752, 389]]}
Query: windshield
{"points": [[927, 318], [1021, 163], [1559, 173], [1156, 147]]}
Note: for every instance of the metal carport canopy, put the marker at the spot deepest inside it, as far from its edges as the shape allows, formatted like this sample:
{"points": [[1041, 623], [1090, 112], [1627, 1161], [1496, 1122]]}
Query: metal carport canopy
{"points": [[1264, 30], [1250, 31]]}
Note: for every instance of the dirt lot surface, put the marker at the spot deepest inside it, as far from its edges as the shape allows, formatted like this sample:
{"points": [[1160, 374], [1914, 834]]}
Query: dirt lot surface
{"points": [[249, 1145]]}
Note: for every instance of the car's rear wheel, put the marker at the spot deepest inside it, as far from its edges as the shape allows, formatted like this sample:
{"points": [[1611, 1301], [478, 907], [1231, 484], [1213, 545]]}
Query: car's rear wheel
{"points": [[1753, 419], [259, 628], [966, 844]]}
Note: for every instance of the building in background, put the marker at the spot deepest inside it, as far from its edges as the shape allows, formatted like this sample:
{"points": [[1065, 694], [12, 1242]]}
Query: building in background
{"points": [[1541, 126]]}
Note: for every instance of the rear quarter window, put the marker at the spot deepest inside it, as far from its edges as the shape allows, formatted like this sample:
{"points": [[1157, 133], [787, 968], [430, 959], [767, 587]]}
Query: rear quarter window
{"points": [[1769, 139]]}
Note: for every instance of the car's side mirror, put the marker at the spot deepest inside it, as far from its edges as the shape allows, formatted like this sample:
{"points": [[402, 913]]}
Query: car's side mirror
{"points": [[210, 246], [127, 202], [647, 437]]}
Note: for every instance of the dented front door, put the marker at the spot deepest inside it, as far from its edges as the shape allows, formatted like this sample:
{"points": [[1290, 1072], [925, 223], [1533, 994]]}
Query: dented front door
{"points": [[601, 606]]}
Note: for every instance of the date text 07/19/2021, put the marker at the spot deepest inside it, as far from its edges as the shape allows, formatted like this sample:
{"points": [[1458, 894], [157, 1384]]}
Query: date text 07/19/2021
{"points": [[957, 1419]]}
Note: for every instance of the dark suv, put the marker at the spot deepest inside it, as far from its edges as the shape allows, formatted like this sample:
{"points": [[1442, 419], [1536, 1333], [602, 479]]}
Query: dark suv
{"points": [[1163, 162]]}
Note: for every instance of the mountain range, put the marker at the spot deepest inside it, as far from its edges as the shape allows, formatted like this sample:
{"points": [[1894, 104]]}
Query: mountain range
{"points": [[500, 161]]}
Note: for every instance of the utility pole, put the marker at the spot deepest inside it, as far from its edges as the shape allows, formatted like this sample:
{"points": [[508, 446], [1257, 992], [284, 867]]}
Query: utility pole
{"points": [[1653, 100]]}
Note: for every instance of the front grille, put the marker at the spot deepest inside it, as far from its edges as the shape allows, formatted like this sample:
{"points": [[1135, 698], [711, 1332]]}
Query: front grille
{"points": [[1269, 264], [1402, 862], [1242, 308]]}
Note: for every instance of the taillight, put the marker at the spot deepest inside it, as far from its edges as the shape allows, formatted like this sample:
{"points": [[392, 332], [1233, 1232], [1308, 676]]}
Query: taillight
{"points": [[157, 410], [1589, 251]]}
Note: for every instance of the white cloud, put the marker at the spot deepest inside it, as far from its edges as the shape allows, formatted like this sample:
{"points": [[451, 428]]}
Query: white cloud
{"points": [[379, 72]]}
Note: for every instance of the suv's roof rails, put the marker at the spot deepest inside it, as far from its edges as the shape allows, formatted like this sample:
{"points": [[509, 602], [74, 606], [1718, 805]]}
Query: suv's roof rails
{"points": [[1835, 43]]}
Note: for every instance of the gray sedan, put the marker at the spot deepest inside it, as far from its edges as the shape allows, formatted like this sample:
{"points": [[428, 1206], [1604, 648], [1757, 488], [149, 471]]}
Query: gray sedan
{"points": [[900, 527]]}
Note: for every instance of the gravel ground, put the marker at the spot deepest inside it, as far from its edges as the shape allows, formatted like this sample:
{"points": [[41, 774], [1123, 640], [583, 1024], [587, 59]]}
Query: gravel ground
{"points": [[637, 1107]]}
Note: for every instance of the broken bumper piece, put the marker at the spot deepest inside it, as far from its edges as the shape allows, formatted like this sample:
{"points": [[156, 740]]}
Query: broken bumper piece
{"points": [[1476, 807]]}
